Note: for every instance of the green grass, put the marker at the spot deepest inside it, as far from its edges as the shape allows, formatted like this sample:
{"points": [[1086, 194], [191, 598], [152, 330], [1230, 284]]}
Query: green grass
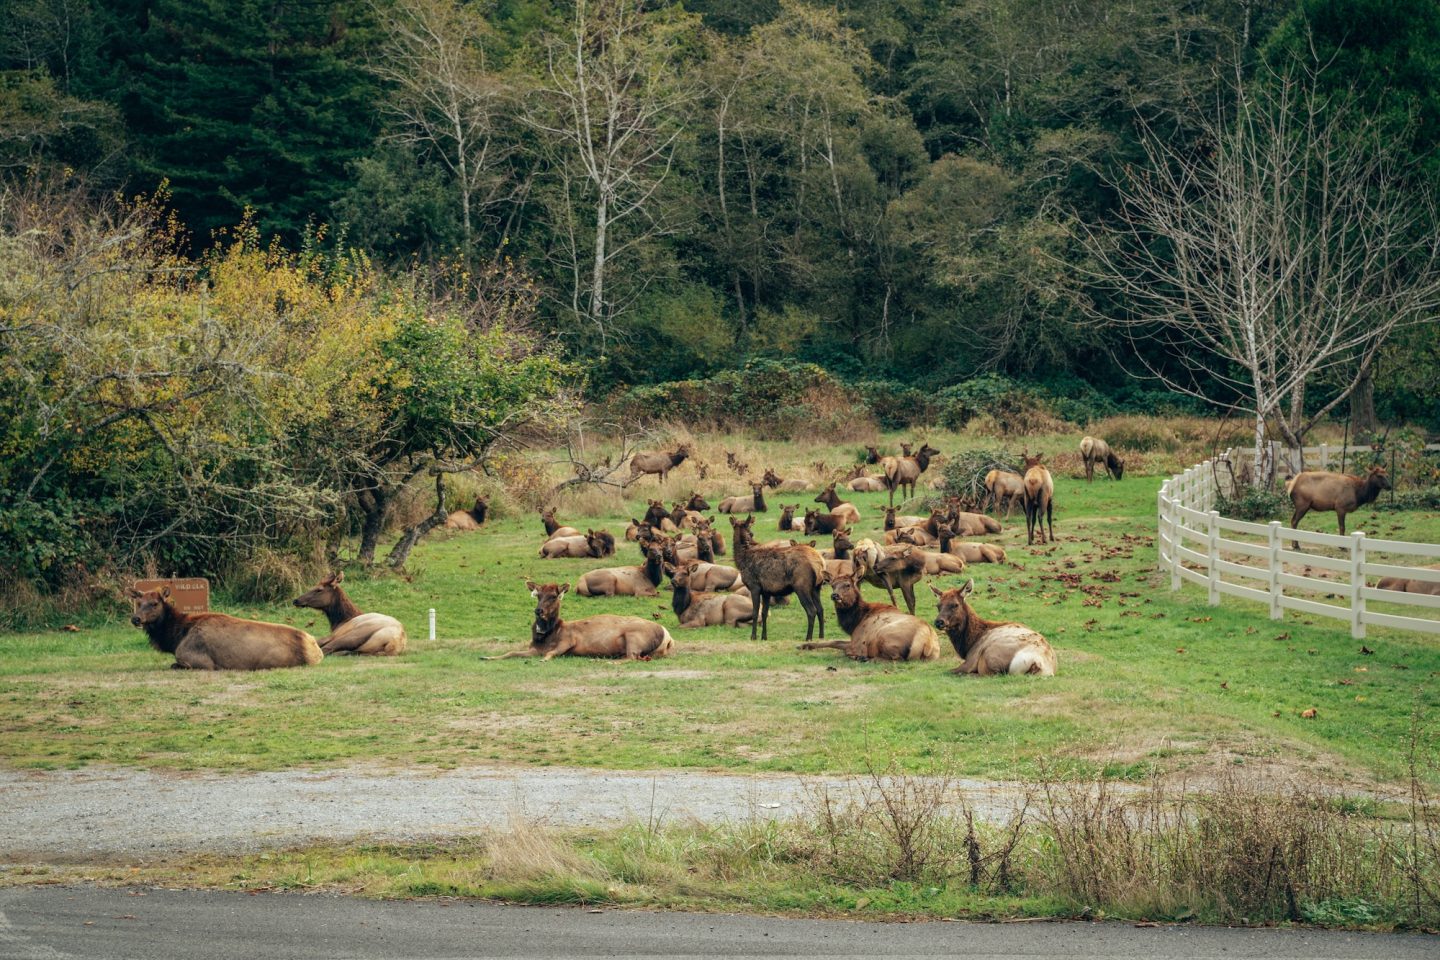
{"points": [[1146, 676]]}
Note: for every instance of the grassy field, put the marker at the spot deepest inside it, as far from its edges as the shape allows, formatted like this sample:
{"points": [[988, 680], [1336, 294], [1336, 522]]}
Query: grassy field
{"points": [[1147, 677]]}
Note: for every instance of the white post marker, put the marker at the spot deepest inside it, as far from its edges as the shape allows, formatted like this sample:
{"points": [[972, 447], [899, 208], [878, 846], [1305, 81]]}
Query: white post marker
{"points": [[432, 624]]}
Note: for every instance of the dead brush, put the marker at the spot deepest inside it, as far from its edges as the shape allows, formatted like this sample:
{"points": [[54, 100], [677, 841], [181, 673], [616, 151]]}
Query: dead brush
{"points": [[525, 852]]}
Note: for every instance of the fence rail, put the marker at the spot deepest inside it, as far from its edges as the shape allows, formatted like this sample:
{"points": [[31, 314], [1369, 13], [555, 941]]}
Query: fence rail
{"points": [[1198, 545]]}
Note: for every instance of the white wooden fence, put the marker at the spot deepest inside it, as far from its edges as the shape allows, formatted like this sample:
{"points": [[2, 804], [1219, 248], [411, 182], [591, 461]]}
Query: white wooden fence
{"points": [[1253, 561]]}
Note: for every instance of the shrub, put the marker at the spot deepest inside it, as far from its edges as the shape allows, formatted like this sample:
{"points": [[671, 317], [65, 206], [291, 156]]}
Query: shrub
{"points": [[1255, 505], [964, 473]]}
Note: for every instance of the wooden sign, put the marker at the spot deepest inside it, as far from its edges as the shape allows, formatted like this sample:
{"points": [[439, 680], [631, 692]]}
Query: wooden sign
{"points": [[188, 594]]}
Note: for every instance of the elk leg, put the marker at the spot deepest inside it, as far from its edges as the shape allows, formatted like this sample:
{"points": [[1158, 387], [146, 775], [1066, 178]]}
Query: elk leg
{"points": [[1295, 519], [527, 652], [1050, 518], [908, 589], [1340, 515]]}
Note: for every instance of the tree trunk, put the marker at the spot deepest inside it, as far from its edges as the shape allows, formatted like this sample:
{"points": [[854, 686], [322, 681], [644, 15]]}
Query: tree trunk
{"points": [[375, 505], [597, 277], [1364, 424], [401, 551], [1264, 469]]}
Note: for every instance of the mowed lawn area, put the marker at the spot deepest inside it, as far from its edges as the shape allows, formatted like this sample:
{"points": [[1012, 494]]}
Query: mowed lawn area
{"points": [[1146, 677]]}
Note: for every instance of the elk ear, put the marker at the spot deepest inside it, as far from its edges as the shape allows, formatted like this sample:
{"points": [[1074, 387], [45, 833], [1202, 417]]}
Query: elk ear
{"points": [[165, 592], [533, 587], [564, 589], [968, 589], [936, 590], [133, 594]]}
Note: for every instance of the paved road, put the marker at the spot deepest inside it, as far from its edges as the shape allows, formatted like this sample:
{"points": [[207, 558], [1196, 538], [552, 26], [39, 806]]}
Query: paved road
{"points": [[54, 923], [109, 813]]}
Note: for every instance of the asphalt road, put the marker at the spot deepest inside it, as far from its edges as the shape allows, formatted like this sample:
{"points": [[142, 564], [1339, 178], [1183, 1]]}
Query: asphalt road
{"points": [[53, 923]]}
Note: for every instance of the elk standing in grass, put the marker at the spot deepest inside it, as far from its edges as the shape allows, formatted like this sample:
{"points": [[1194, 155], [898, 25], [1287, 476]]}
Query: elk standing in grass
{"points": [[659, 464], [218, 641], [841, 508], [696, 608], [878, 631], [367, 634], [1093, 450], [890, 567], [990, 647], [604, 635], [1341, 492], [1039, 499], [903, 472], [1004, 485], [468, 520], [773, 572]]}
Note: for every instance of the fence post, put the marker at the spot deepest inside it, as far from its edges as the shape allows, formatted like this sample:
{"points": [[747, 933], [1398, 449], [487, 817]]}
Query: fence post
{"points": [[1165, 530], [1277, 612], [1177, 536], [1357, 585], [1324, 456], [1214, 563]]}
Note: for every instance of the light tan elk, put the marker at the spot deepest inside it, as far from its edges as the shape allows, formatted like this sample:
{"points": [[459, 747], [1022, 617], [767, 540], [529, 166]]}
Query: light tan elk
{"points": [[603, 635], [1429, 588], [591, 544], [553, 527], [1093, 450], [773, 481], [890, 567], [366, 634], [1341, 492], [658, 464], [711, 577], [989, 647], [641, 581], [935, 563], [702, 609], [1002, 485], [467, 520], [1039, 499], [868, 484], [218, 641], [902, 473], [878, 631], [969, 552], [771, 572], [843, 509], [838, 562], [755, 503]]}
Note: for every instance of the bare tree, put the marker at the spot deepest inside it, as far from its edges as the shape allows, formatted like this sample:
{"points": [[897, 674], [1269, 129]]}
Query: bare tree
{"points": [[610, 111], [1286, 245], [445, 100]]}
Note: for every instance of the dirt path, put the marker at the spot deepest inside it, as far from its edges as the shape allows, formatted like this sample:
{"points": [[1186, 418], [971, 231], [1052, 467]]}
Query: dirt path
{"points": [[109, 813]]}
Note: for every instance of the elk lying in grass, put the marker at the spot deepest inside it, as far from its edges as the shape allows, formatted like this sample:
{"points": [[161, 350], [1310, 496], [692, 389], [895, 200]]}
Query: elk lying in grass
{"points": [[218, 641], [990, 647], [817, 523], [553, 527], [894, 521], [878, 631], [658, 517], [697, 608], [367, 634], [872, 454], [1430, 588], [841, 508], [868, 484], [658, 464], [770, 572], [683, 518], [949, 543], [468, 520], [1002, 485], [1039, 499], [1341, 492], [638, 581], [935, 563], [917, 535], [740, 467], [902, 473], [697, 503], [787, 519], [604, 635], [755, 503], [1093, 450], [838, 561], [713, 577], [889, 568], [773, 481], [592, 544]]}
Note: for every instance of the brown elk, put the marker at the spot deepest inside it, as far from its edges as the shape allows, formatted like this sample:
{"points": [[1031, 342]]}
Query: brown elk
{"points": [[740, 467], [641, 581], [682, 516], [969, 552], [1429, 588], [696, 608], [773, 572], [712, 577], [553, 527], [1093, 450], [903, 472], [592, 544], [696, 502], [467, 520], [935, 563], [773, 481], [1002, 485], [989, 647], [1039, 499], [368, 634], [1341, 492], [787, 518], [872, 454], [893, 520], [659, 464], [838, 561], [658, 517], [845, 510], [890, 567], [878, 631], [755, 503], [822, 523], [218, 641], [868, 484], [603, 635]]}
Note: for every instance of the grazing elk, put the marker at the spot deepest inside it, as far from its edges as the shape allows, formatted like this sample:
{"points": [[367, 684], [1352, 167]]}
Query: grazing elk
{"points": [[989, 647], [1341, 492], [773, 481], [878, 631], [890, 567], [553, 528], [1093, 450], [640, 581], [659, 464], [467, 520], [841, 508], [604, 635], [771, 572], [592, 544], [367, 634], [755, 503], [903, 472], [1039, 499], [696, 608], [218, 641], [1004, 485]]}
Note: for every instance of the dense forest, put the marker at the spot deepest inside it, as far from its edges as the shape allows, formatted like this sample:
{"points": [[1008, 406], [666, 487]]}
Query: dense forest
{"points": [[236, 230]]}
